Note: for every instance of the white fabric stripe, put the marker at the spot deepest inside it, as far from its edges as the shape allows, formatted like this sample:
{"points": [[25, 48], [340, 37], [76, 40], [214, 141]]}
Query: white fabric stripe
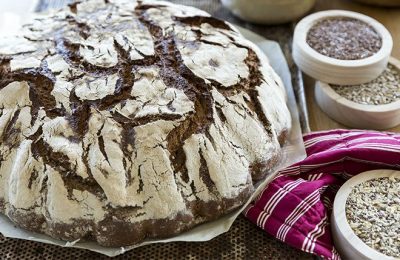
{"points": [[274, 200], [328, 202], [300, 213], [335, 255], [314, 177], [313, 141], [375, 146], [293, 171], [260, 216], [310, 177], [370, 162], [309, 236], [297, 211], [308, 205], [337, 147], [323, 189], [259, 221], [318, 176], [322, 231], [333, 136], [373, 139], [282, 191], [320, 139], [364, 139], [320, 228], [271, 204], [304, 168], [325, 131], [379, 147], [263, 218], [313, 166], [290, 170], [392, 146]]}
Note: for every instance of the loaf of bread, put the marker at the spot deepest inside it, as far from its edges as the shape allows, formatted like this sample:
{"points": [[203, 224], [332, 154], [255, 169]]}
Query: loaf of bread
{"points": [[127, 120]]}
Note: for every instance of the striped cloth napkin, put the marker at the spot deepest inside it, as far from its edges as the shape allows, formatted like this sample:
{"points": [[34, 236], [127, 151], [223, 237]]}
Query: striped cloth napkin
{"points": [[296, 206]]}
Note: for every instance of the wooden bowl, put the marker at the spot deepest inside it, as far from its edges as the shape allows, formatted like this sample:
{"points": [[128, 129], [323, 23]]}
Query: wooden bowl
{"points": [[335, 71], [269, 11], [348, 244], [357, 115]]}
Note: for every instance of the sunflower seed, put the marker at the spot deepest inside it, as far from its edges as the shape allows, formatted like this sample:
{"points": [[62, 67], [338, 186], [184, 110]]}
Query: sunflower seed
{"points": [[373, 212], [383, 90]]}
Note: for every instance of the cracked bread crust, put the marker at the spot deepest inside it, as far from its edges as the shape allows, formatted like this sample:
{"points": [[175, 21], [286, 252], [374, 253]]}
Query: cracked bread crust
{"points": [[127, 120]]}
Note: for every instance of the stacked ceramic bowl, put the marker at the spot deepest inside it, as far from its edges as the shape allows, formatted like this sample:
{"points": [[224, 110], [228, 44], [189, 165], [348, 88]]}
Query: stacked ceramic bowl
{"points": [[349, 55]]}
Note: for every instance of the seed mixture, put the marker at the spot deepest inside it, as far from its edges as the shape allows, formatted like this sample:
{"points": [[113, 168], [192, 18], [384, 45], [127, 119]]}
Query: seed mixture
{"points": [[373, 212], [383, 90], [344, 38]]}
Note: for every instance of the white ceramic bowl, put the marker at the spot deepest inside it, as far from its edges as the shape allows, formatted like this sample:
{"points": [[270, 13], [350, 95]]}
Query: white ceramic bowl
{"points": [[348, 244], [335, 71], [357, 115], [269, 11]]}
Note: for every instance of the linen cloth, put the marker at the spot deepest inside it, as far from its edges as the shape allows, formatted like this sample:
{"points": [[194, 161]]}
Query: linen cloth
{"points": [[296, 206]]}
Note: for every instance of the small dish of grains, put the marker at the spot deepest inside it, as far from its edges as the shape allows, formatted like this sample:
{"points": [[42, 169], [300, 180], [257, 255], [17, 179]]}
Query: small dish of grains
{"points": [[341, 47], [366, 216], [372, 105]]}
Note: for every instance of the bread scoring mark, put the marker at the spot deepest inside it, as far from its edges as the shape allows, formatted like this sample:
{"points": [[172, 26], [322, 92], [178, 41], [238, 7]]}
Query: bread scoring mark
{"points": [[175, 74], [151, 141], [197, 21], [8, 132]]}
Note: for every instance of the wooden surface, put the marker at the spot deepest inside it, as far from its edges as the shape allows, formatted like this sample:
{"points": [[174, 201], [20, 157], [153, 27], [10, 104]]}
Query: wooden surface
{"points": [[389, 17]]}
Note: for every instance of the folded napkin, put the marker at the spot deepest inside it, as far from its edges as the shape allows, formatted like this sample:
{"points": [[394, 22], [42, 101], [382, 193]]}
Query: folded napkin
{"points": [[296, 206]]}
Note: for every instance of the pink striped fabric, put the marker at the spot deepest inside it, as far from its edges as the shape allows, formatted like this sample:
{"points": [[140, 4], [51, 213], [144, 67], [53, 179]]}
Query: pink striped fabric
{"points": [[295, 207]]}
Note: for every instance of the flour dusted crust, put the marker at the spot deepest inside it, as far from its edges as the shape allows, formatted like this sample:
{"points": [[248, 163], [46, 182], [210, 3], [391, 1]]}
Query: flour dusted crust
{"points": [[124, 120]]}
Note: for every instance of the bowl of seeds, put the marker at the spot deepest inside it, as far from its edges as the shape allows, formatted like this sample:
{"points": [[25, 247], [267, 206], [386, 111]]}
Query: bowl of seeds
{"points": [[341, 47], [366, 216], [372, 105]]}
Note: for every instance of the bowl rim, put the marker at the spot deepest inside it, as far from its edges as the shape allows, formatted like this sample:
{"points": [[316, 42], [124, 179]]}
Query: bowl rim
{"points": [[278, 3], [339, 213], [393, 106], [302, 28]]}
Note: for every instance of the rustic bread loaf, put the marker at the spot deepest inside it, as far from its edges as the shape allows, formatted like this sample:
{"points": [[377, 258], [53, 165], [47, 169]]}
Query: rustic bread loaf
{"points": [[125, 120]]}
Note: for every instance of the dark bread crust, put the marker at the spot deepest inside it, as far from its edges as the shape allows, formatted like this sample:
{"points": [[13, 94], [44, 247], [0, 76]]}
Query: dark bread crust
{"points": [[114, 231], [117, 228]]}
